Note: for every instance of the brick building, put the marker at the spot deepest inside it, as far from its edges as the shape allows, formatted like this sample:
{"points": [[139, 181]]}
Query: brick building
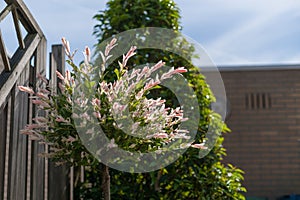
{"points": [[264, 116]]}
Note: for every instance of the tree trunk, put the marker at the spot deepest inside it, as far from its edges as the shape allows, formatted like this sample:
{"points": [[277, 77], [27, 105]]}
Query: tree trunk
{"points": [[105, 182]]}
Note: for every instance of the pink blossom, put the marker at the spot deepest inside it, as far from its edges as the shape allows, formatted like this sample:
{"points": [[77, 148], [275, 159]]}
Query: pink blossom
{"points": [[157, 66], [68, 76], [182, 136], [44, 91], [97, 115], [75, 116], [87, 54], [61, 87], [43, 78], [90, 131], [110, 46], [27, 132], [151, 84], [41, 103], [41, 95], [60, 76], [34, 126], [113, 42], [66, 45], [112, 144], [180, 70], [71, 139], [85, 115], [73, 83], [160, 135], [199, 146], [96, 102], [26, 89], [129, 54], [61, 119], [40, 119], [173, 71]]}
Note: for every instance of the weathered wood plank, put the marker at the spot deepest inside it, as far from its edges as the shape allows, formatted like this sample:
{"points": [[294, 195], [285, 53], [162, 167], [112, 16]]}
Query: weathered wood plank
{"points": [[58, 182], [5, 12], [41, 58], [17, 27], [1, 67], [58, 175], [3, 53], [38, 164], [31, 114], [10, 144], [7, 150], [19, 66], [3, 132], [39, 191], [19, 142], [26, 17], [57, 62]]}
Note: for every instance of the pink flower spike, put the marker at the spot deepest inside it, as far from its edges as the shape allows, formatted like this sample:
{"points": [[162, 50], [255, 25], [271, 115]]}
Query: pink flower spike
{"points": [[61, 87], [33, 126], [97, 115], [45, 91], [41, 103], [70, 139], [157, 66], [40, 119], [180, 70], [160, 135], [66, 46], [96, 102], [68, 75], [43, 78], [60, 119], [199, 146], [26, 132], [41, 95], [60, 76], [26, 89], [112, 42], [87, 53], [129, 54], [151, 84]]}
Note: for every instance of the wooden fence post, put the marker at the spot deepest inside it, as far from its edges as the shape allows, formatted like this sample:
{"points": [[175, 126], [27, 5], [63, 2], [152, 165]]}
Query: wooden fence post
{"points": [[58, 181]]}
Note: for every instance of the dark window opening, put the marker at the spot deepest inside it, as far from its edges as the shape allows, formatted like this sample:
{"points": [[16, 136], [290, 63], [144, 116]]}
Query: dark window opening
{"points": [[256, 101]]}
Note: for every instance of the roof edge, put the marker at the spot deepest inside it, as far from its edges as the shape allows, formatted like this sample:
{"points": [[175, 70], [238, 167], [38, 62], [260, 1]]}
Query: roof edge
{"points": [[259, 67]]}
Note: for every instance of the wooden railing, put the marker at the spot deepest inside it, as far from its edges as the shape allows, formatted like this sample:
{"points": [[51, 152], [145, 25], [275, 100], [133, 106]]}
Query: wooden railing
{"points": [[24, 174]]}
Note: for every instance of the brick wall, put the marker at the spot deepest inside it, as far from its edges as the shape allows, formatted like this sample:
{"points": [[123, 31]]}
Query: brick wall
{"points": [[264, 118]]}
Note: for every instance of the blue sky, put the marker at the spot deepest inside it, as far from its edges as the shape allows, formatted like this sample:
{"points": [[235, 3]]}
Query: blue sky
{"points": [[233, 32]]}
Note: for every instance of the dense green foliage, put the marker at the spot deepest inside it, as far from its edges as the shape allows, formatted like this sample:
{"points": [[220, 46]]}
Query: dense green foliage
{"points": [[189, 177]]}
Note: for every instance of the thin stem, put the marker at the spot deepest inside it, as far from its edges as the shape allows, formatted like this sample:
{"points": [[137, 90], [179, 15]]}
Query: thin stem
{"points": [[105, 182]]}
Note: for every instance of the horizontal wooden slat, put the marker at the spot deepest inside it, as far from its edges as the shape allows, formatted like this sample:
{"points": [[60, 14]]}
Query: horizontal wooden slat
{"points": [[19, 61]]}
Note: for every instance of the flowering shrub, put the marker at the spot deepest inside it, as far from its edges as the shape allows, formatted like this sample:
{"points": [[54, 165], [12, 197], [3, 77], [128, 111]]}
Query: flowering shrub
{"points": [[189, 177], [118, 107]]}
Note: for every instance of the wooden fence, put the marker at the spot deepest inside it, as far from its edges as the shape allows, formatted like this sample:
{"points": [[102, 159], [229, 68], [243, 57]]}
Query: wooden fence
{"points": [[23, 174]]}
